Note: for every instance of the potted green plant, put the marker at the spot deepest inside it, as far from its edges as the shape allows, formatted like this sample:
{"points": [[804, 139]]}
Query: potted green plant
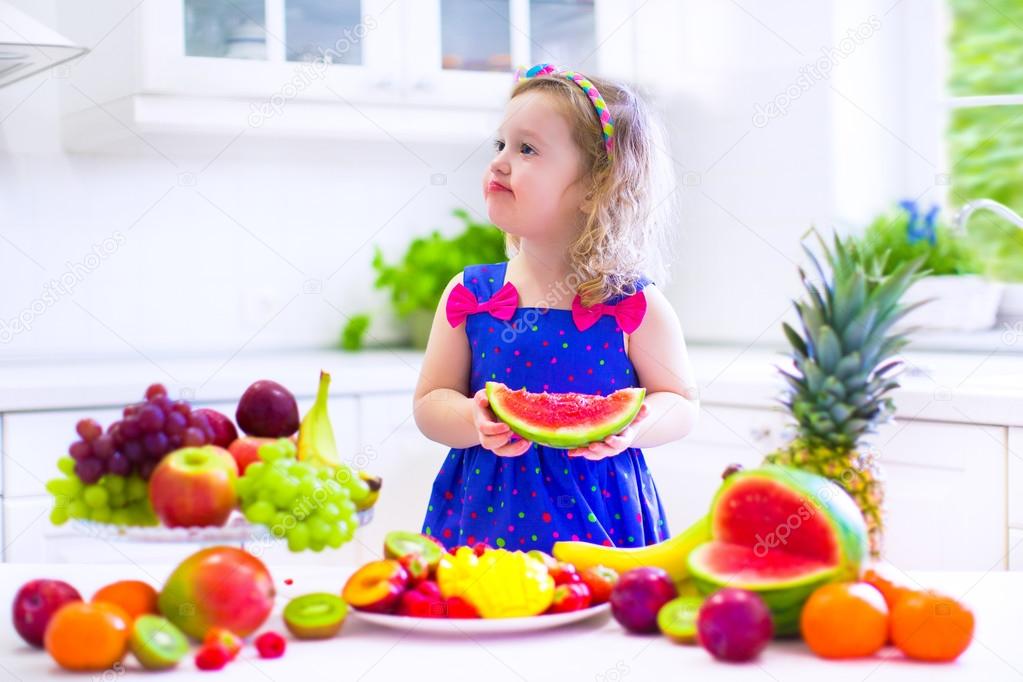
{"points": [[417, 281], [961, 297]]}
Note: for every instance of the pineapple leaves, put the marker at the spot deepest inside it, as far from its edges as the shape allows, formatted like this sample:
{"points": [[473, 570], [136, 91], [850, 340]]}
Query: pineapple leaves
{"points": [[794, 339], [829, 350]]}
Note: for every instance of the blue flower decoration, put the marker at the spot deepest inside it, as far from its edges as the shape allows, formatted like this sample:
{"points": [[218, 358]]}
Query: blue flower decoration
{"points": [[915, 230]]}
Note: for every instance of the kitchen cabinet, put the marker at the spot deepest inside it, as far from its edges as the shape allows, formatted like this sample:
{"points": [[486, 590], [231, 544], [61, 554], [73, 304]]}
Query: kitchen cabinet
{"points": [[945, 495], [953, 486], [431, 70], [391, 446]]}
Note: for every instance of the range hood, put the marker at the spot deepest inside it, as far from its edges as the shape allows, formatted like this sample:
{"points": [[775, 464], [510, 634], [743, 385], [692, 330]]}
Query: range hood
{"points": [[28, 47]]}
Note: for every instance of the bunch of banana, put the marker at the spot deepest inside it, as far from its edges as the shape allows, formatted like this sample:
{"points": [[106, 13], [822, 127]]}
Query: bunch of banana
{"points": [[670, 554]]}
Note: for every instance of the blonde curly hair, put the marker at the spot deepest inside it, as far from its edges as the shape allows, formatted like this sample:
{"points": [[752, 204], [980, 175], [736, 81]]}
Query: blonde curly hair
{"points": [[626, 232]]}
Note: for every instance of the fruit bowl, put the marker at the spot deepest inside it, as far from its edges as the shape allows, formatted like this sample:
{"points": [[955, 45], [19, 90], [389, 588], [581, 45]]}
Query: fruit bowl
{"points": [[480, 626], [236, 530]]}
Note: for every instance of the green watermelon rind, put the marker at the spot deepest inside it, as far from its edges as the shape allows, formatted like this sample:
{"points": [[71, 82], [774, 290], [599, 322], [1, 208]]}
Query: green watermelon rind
{"points": [[699, 572], [563, 438]]}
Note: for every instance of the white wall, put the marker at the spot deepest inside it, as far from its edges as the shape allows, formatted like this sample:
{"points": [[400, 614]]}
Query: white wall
{"points": [[213, 273]]}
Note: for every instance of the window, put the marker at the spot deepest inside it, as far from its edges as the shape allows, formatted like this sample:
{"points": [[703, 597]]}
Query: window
{"points": [[985, 134]]}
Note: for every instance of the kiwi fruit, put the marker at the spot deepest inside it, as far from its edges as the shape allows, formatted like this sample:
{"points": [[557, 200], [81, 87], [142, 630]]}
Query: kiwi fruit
{"points": [[398, 543], [157, 643], [677, 619], [318, 615]]}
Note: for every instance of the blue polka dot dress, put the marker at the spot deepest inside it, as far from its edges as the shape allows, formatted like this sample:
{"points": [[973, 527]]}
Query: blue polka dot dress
{"points": [[542, 496]]}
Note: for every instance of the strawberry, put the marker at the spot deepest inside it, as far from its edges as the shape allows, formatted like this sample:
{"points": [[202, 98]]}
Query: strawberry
{"points": [[212, 657], [565, 573], [458, 607], [601, 580], [225, 638], [416, 567], [570, 597], [270, 645], [431, 589]]}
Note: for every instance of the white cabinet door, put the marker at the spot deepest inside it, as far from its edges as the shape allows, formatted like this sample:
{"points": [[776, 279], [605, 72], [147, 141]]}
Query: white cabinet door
{"points": [[1015, 453], [687, 473], [945, 495], [34, 441], [1016, 549], [393, 447]]}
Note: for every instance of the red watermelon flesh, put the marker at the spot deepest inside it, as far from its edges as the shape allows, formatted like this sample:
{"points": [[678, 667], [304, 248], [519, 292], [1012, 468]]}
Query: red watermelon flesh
{"points": [[765, 515], [564, 420], [746, 567]]}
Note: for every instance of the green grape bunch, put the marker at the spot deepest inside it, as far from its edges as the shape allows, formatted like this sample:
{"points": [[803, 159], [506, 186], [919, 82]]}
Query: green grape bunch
{"points": [[113, 499], [308, 504]]}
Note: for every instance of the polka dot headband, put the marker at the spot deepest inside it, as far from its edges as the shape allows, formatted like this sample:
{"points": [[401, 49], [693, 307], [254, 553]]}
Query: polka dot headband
{"points": [[607, 124]]}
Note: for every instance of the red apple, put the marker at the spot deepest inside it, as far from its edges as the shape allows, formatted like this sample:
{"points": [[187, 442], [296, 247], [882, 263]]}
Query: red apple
{"points": [[218, 587], [376, 586], [224, 432], [194, 487], [245, 450], [35, 604]]}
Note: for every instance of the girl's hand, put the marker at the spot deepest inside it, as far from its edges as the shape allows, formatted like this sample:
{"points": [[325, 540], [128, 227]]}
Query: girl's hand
{"points": [[495, 435], [613, 444]]}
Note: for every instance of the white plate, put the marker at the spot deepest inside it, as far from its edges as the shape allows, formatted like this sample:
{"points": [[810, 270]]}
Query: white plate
{"points": [[475, 626]]}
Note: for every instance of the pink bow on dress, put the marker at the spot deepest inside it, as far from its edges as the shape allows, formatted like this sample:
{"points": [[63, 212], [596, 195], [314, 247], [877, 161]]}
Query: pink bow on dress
{"points": [[628, 313], [462, 303]]}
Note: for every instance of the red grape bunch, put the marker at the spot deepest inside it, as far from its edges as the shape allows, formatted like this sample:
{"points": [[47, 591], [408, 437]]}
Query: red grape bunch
{"points": [[138, 441]]}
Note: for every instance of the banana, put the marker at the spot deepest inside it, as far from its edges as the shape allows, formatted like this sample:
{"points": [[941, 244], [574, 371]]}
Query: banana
{"points": [[670, 554]]}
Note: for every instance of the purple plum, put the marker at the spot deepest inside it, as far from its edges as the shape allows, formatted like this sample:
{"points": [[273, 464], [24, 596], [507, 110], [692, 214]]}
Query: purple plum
{"points": [[734, 625], [638, 595], [267, 410]]}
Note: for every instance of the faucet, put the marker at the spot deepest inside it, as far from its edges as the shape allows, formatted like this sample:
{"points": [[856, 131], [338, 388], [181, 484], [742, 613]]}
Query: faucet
{"points": [[990, 204]]}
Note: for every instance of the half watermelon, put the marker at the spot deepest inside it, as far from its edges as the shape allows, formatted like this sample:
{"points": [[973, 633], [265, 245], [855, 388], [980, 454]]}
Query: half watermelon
{"points": [[782, 533], [564, 420]]}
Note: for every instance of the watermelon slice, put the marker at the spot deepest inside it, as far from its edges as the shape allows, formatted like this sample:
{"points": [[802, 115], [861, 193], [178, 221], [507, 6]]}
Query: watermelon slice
{"points": [[782, 533], [564, 420]]}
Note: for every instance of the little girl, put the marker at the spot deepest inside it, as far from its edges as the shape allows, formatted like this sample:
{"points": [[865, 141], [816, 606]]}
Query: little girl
{"points": [[571, 311]]}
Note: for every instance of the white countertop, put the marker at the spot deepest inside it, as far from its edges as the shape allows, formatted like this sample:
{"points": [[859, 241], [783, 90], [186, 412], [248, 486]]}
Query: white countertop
{"points": [[984, 388], [597, 649]]}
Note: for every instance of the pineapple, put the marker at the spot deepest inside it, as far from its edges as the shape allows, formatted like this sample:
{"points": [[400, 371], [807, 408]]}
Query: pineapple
{"points": [[845, 372]]}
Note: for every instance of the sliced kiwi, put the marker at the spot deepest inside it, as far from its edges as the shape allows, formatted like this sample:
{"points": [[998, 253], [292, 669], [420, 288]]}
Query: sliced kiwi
{"points": [[677, 618], [315, 616], [398, 543], [157, 643]]}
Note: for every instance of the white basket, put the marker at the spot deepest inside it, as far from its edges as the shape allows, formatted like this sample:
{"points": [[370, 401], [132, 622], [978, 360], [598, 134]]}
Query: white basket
{"points": [[965, 303]]}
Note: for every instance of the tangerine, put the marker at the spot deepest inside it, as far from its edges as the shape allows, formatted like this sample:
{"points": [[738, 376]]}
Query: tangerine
{"points": [[889, 586], [845, 620], [930, 626], [134, 596], [88, 636]]}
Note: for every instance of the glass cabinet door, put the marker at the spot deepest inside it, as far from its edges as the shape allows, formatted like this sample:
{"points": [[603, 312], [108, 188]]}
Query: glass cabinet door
{"points": [[235, 30], [325, 30], [563, 32], [475, 35]]}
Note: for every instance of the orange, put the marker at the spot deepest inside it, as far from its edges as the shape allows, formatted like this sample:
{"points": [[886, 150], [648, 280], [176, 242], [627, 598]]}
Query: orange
{"points": [[845, 620], [889, 585], [84, 636], [134, 596], [930, 626]]}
